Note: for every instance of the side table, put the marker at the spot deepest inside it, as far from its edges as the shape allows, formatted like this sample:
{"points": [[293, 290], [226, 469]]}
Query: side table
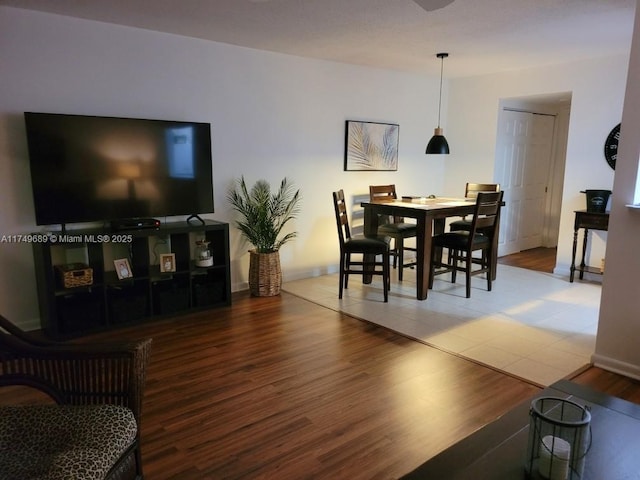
{"points": [[586, 220], [497, 451]]}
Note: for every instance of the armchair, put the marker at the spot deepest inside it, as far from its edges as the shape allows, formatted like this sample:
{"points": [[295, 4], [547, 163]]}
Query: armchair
{"points": [[91, 430]]}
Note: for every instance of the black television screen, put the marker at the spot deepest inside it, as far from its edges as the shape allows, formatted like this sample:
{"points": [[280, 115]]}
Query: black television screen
{"points": [[88, 168]]}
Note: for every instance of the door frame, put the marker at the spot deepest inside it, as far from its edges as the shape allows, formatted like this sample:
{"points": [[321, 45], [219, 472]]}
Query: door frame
{"points": [[559, 105]]}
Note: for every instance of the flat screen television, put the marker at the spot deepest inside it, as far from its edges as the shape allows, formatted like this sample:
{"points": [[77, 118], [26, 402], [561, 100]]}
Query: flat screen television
{"points": [[90, 168]]}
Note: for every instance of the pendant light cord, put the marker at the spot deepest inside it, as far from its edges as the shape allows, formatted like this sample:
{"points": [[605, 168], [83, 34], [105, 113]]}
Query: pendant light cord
{"points": [[440, 98], [438, 144]]}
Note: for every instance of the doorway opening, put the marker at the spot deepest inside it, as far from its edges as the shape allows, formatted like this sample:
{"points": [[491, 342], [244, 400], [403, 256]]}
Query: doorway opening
{"points": [[531, 147], [540, 259]]}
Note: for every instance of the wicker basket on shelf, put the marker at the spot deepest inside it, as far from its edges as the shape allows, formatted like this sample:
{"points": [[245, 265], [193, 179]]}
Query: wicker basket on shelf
{"points": [[265, 274], [75, 275]]}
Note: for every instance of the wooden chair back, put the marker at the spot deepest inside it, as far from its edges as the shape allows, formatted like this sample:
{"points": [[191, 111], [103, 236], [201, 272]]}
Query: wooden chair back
{"points": [[342, 218], [485, 215], [471, 190], [384, 193]]}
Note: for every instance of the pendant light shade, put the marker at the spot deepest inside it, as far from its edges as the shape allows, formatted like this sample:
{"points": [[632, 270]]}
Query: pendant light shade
{"points": [[438, 144]]}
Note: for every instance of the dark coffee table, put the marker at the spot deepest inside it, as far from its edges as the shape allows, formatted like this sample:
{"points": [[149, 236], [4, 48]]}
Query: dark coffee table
{"points": [[498, 450]]}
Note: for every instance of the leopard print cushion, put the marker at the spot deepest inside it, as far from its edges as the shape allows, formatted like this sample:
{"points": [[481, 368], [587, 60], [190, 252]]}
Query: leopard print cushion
{"points": [[52, 442]]}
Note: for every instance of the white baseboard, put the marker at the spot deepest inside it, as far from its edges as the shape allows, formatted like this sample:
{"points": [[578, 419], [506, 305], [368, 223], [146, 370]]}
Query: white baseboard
{"points": [[616, 366], [29, 325], [291, 274]]}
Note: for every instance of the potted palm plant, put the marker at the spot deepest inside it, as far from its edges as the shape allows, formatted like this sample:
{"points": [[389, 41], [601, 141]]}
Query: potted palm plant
{"points": [[263, 215]]}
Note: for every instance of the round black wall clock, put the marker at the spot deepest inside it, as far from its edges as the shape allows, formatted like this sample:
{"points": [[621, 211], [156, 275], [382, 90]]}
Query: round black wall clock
{"points": [[611, 146]]}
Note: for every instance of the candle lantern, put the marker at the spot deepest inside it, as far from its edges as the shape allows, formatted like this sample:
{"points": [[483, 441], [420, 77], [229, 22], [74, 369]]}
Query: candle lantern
{"points": [[559, 439], [203, 254]]}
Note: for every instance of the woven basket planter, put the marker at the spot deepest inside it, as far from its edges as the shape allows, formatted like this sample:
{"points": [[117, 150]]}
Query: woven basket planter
{"points": [[265, 274]]}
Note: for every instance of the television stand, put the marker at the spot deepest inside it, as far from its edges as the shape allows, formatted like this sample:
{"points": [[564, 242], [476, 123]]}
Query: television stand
{"points": [[80, 292]]}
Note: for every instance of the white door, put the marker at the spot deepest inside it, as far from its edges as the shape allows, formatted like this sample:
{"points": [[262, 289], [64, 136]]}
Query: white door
{"points": [[523, 161]]}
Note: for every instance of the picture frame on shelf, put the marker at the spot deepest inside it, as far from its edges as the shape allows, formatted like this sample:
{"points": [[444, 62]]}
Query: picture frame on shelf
{"points": [[371, 146], [167, 262], [123, 269]]}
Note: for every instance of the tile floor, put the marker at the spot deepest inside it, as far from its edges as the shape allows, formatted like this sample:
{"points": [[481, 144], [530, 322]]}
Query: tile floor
{"points": [[533, 325]]}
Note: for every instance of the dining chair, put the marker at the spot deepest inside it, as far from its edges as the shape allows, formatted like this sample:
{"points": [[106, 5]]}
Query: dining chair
{"points": [[471, 191], [462, 243], [371, 247], [394, 227]]}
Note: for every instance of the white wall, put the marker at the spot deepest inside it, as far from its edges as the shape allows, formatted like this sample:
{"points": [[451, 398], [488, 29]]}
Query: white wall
{"points": [[272, 115], [597, 88], [619, 325], [275, 115]]}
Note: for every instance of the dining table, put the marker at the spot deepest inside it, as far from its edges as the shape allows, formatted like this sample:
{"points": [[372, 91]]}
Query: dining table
{"points": [[430, 215]]}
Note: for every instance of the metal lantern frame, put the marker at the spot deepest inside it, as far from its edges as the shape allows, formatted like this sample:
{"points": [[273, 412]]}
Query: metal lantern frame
{"points": [[559, 439]]}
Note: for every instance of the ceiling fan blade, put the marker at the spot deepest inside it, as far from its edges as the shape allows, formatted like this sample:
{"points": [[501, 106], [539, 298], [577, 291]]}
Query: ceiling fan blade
{"points": [[431, 5]]}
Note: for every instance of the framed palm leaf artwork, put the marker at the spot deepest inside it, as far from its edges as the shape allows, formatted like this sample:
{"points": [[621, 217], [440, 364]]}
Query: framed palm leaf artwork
{"points": [[371, 146]]}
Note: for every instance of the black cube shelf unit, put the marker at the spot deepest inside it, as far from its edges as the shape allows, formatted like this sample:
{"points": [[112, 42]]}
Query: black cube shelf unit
{"points": [[109, 302]]}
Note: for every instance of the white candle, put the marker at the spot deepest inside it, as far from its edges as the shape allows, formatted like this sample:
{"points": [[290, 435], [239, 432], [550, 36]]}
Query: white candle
{"points": [[554, 458]]}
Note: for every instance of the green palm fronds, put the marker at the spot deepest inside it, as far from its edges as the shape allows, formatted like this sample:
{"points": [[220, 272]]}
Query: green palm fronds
{"points": [[264, 214]]}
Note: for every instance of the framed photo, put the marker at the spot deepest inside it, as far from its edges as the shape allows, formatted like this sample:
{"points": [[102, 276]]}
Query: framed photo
{"points": [[168, 262], [123, 269], [371, 146]]}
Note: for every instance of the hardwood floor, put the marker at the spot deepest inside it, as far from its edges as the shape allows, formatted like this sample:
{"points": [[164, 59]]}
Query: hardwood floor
{"points": [[610, 383], [540, 259], [283, 388]]}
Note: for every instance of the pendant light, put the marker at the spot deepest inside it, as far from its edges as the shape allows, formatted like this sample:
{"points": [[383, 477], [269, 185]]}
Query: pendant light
{"points": [[438, 144]]}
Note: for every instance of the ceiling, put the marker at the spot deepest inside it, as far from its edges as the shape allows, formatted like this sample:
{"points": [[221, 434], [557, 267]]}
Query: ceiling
{"points": [[481, 36]]}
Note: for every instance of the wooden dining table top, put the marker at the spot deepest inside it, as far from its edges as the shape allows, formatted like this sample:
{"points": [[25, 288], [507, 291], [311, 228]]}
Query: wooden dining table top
{"points": [[426, 204]]}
